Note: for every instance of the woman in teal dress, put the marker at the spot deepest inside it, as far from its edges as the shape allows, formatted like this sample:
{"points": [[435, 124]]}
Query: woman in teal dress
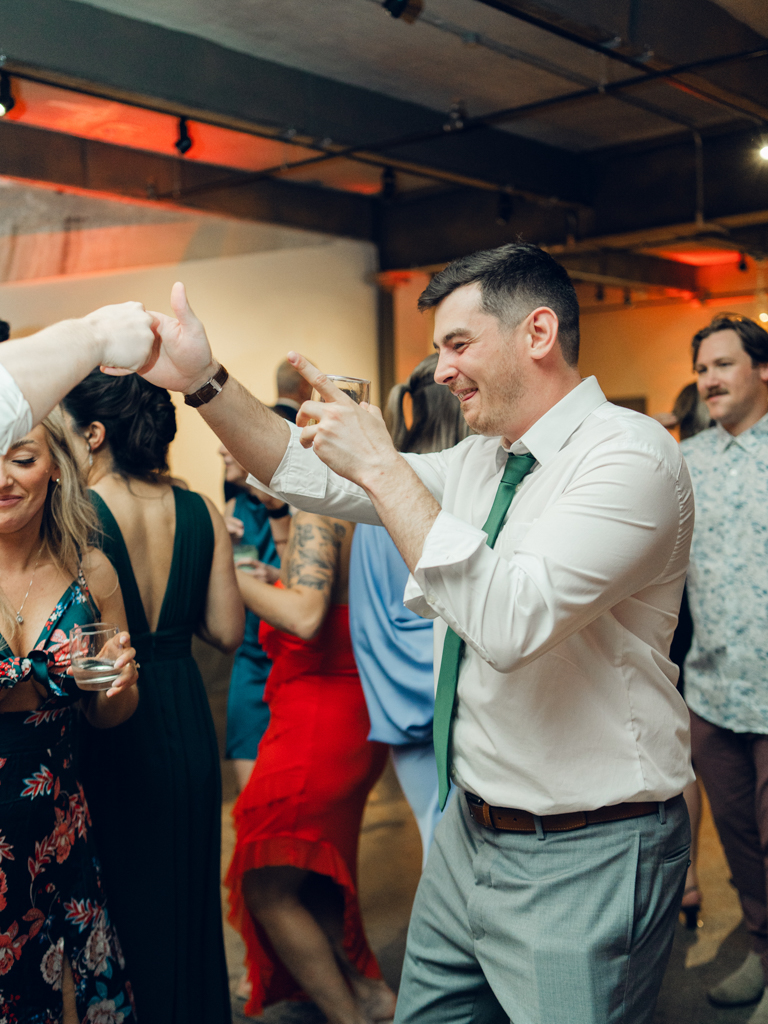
{"points": [[60, 958], [154, 784]]}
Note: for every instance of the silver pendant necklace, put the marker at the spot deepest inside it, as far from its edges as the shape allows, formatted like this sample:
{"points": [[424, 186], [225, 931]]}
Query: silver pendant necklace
{"points": [[19, 616]]}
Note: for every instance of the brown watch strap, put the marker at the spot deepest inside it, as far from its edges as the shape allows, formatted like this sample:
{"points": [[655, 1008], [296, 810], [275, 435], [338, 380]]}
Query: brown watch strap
{"points": [[209, 390]]}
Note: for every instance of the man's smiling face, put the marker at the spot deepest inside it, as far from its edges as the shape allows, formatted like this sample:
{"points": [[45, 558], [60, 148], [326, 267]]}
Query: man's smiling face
{"points": [[734, 389], [479, 360]]}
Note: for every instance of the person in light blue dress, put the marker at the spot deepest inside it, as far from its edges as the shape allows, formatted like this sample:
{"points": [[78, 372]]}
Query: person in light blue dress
{"points": [[393, 646]]}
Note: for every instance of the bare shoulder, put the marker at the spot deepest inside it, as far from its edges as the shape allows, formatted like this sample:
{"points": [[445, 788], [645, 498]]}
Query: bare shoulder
{"points": [[216, 517], [99, 574]]}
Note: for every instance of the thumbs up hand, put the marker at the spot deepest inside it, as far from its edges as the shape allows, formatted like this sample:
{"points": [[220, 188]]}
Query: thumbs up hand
{"points": [[181, 358]]}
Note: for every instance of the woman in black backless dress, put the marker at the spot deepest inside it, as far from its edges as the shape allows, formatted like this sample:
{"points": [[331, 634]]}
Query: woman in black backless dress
{"points": [[154, 784]]}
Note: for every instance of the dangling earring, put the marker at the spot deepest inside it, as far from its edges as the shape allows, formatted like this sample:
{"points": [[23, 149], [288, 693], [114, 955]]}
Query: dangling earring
{"points": [[57, 481], [90, 456]]}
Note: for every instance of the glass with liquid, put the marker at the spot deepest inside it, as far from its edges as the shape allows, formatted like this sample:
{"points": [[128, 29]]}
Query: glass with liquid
{"points": [[357, 388], [93, 652]]}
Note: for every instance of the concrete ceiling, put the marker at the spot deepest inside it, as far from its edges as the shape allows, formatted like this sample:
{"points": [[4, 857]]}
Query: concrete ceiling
{"points": [[334, 117], [457, 50]]}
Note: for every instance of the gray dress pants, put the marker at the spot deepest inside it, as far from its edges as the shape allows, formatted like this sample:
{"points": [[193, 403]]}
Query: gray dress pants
{"points": [[574, 928]]}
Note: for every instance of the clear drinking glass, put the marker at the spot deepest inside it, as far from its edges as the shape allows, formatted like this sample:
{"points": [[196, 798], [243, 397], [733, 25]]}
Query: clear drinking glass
{"points": [[93, 652], [358, 389], [244, 552]]}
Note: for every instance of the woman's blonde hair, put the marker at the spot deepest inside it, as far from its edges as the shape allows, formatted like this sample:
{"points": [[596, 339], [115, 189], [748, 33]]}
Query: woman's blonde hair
{"points": [[70, 524]]}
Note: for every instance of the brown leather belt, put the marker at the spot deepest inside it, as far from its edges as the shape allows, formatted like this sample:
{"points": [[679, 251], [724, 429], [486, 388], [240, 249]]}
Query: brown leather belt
{"points": [[509, 819]]}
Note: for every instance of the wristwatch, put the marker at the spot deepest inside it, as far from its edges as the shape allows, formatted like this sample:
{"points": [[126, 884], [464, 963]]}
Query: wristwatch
{"points": [[209, 390]]}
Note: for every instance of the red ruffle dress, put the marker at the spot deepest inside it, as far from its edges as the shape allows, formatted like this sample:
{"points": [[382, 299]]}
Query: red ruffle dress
{"points": [[304, 801]]}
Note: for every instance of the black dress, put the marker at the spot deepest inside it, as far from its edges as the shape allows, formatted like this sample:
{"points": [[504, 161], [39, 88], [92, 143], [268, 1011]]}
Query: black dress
{"points": [[154, 788]]}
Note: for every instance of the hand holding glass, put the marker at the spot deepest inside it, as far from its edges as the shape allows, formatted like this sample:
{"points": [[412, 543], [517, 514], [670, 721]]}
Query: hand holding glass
{"points": [[356, 388], [93, 650]]}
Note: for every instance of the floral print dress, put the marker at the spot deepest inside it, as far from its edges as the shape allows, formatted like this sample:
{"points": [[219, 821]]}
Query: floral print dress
{"points": [[52, 902]]}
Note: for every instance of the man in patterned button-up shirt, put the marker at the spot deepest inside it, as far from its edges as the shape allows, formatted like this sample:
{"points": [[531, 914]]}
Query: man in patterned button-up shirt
{"points": [[726, 672]]}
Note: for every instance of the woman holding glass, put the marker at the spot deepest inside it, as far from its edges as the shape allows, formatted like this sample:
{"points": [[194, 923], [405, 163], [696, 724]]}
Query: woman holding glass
{"points": [[154, 784], [59, 954], [292, 881]]}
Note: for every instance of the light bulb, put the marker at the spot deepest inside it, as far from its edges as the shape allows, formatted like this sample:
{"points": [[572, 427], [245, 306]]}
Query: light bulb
{"points": [[763, 317], [764, 152]]}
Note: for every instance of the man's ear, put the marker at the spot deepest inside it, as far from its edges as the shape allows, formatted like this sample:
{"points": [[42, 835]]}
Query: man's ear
{"points": [[541, 330]]}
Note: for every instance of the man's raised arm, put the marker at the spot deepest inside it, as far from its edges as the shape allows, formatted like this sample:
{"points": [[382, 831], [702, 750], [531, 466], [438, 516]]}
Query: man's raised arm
{"points": [[256, 436], [39, 370]]}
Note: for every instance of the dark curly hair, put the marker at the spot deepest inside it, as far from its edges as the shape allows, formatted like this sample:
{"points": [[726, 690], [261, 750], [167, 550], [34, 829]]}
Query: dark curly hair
{"points": [[139, 420]]}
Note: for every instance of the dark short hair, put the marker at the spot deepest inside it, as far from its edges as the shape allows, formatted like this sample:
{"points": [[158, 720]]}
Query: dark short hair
{"points": [[754, 338], [514, 279], [5, 330]]}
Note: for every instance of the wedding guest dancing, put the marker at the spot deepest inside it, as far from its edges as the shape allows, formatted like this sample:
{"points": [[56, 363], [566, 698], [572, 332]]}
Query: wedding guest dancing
{"points": [[553, 547], [394, 648], [154, 784], [60, 958], [293, 877]]}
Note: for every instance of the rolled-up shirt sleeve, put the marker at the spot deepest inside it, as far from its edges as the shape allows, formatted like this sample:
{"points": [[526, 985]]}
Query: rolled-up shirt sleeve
{"points": [[304, 481], [15, 413], [610, 533]]}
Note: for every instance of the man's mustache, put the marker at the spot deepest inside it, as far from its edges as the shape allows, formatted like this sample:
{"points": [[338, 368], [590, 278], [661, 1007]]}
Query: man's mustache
{"points": [[711, 392]]}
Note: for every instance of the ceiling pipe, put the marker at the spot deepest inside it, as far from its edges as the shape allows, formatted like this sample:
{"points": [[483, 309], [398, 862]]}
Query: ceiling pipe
{"points": [[510, 9], [366, 151]]}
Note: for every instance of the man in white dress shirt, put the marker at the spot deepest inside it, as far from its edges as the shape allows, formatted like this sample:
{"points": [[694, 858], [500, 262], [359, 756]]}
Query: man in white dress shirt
{"points": [[37, 371], [553, 884]]}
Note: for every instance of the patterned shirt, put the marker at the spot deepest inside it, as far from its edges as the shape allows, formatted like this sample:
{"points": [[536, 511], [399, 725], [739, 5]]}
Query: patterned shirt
{"points": [[726, 672]]}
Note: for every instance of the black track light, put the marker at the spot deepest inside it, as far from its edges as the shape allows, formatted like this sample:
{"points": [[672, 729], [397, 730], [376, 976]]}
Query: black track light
{"points": [[183, 143], [505, 209], [388, 183], [7, 102], [408, 10]]}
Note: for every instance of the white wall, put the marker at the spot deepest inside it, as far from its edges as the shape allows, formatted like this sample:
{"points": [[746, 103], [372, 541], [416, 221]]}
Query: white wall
{"points": [[319, 300]]}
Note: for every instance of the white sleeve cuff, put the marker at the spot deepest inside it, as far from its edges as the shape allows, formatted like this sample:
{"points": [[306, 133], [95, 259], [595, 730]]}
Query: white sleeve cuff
{"points": [[15, 413], [449, 543]]}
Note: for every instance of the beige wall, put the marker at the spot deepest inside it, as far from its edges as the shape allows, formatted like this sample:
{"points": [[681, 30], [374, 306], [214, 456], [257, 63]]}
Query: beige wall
{"points": [[641, 351], [646, 351], [319, 300]]}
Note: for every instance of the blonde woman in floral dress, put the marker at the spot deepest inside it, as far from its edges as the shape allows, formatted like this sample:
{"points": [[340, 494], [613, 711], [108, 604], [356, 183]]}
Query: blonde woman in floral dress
{"points": [[60, 960]]}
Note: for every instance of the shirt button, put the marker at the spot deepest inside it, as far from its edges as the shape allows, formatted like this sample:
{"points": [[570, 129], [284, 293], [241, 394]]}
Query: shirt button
{"points": [[734, 472]]}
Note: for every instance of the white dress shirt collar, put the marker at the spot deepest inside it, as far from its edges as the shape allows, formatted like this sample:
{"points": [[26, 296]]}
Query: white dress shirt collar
{"points": [[551, 431]]}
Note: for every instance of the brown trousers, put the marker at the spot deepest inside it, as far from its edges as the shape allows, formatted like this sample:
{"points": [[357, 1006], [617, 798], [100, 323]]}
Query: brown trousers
{"points": [[734, 769]]}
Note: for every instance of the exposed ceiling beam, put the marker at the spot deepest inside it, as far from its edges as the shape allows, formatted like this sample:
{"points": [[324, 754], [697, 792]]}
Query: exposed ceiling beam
{"points": [[34, 155], [85, 47], [630, 270]]}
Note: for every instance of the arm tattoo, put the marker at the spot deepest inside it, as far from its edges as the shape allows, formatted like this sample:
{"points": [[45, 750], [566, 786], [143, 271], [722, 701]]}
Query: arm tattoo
{"points": [[313, 552]]}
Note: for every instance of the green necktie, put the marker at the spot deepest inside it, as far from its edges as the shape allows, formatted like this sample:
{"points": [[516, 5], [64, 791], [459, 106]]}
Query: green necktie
{"points": [[516, 468]]}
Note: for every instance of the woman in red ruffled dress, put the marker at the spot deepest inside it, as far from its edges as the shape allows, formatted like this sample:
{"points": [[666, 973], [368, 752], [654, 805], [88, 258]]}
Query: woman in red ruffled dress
{"points": [[292, 881]]}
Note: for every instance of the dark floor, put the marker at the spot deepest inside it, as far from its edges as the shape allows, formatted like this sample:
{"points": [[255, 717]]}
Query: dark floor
{"points": [[390, 859]]}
